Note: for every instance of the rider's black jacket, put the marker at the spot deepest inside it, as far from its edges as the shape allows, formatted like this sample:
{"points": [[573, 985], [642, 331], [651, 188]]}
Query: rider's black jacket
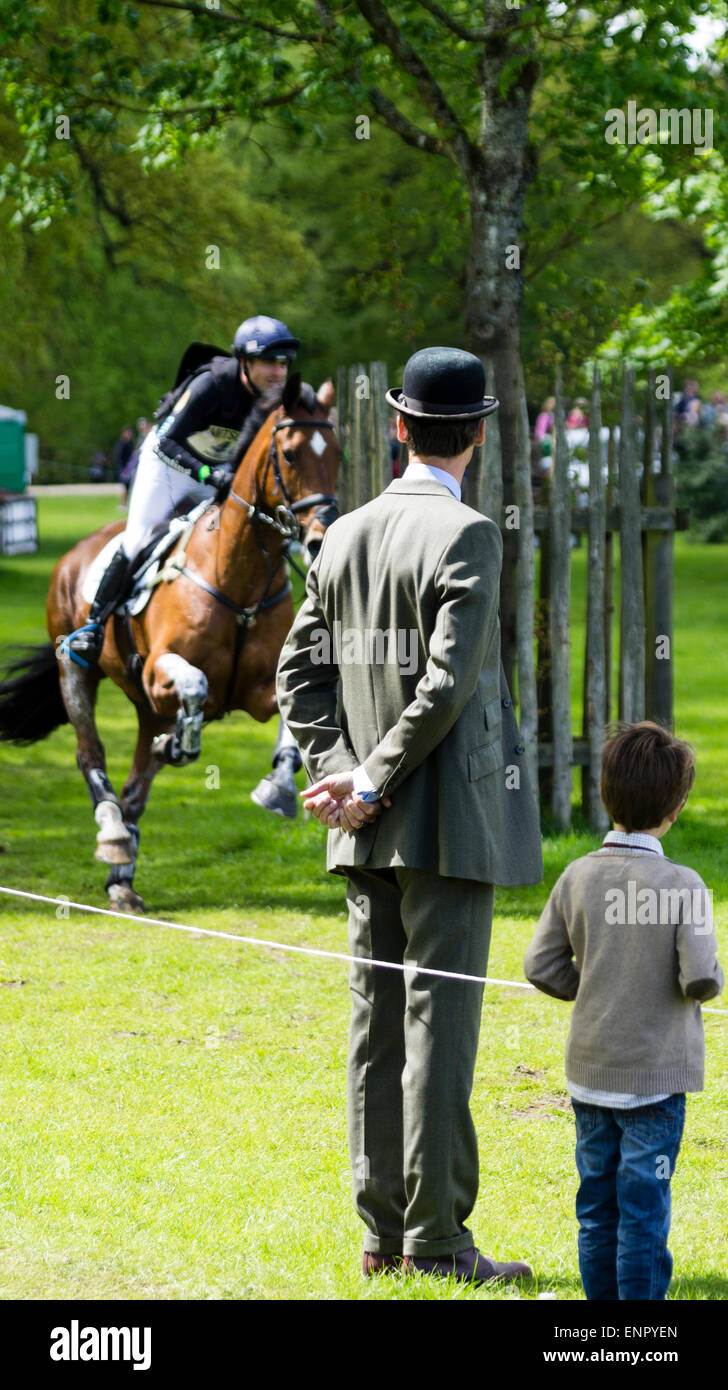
{"points": [[202, 429]]}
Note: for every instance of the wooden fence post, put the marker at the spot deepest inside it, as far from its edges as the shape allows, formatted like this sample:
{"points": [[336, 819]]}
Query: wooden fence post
{"points": [[560, 530], [342, 429], [658, 574], [380, 459], [544, 693], [525, 580], [490, 500], [595, 688], [609, 576], [632, 626], [359, 434]]}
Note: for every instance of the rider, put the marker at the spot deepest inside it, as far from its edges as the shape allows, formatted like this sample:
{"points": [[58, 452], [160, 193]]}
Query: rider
{"points": [[187, 455]]}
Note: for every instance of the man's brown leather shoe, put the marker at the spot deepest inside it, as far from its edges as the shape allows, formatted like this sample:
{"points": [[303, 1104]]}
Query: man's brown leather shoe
{"points": [[468, 1265], [379, 1264]]}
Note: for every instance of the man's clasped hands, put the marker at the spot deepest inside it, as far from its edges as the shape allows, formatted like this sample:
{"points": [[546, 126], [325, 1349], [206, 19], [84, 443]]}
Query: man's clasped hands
{"points": [[334, 802]]}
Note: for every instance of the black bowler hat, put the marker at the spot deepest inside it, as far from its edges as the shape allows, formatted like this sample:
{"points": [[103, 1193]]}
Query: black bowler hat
{"points": [[443, 384]]}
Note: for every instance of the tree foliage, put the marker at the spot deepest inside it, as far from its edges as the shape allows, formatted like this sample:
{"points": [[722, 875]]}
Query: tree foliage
{"points": [[190, 124]]}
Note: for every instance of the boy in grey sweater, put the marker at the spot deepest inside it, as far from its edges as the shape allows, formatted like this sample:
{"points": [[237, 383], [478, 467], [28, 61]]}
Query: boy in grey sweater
{"points": [[628, 935]]}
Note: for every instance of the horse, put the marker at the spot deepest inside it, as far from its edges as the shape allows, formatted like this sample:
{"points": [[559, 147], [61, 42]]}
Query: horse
{"points": [[209, 638]]}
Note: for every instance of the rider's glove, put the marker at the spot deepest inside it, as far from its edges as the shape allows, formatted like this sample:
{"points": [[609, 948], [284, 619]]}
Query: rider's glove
{"points": [[220, 478]]}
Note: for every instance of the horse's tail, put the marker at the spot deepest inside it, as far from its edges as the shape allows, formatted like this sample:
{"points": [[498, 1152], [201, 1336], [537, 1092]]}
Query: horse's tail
{"points": [[31, 706]]}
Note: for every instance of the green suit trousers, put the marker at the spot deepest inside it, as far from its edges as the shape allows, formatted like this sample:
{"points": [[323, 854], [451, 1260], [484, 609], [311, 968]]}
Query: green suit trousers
{"points": [[412, 1050]]}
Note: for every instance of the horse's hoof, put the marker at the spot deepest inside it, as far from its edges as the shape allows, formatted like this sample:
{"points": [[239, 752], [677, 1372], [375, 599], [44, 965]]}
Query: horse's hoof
{"points": [[116, 851], [272, 796], [122, 898]]}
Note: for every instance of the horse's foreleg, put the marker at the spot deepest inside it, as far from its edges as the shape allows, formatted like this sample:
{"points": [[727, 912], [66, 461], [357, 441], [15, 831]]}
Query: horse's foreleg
{"points": [[114, 844], [278, 792], [175, 679], [134, 797]]}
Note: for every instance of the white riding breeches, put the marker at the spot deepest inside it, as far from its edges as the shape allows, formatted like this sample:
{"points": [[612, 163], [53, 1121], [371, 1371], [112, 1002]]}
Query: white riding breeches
{"points": [[157, 490]]}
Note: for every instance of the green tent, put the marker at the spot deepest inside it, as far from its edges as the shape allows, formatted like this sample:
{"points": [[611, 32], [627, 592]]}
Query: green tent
{"points": [[12, 449], [18, 520]]}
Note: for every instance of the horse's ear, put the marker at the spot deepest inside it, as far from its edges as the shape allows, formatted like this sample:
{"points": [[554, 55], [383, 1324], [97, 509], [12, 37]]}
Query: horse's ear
{"points": [[291, 392], [326, 395]]}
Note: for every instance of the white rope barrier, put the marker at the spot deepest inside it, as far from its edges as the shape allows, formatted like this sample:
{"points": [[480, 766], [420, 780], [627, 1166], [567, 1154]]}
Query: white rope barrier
{"points": [[278, 945]]}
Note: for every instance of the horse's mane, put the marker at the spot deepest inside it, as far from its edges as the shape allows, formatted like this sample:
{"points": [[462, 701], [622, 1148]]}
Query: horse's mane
{"points": [[263, 407]]}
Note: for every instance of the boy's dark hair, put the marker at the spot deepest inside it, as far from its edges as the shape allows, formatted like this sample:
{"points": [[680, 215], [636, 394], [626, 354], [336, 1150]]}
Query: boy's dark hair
{"points": [[439, 438], [646, 774]]}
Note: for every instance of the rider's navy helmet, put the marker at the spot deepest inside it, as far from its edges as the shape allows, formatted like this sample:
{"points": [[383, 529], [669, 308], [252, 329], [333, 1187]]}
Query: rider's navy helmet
{"points": [[265, 337]]}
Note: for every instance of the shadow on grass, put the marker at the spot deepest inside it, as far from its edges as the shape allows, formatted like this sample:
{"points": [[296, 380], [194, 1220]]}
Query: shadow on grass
{"points": [[707, 1287], [710, 1288], [562, 1288], [403, 1287]]}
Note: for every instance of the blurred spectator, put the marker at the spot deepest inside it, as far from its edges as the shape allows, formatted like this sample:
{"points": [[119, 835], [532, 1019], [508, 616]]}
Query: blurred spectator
{"points": [[577, 418], [545, 420], [714, 413], [123, 450], [98, 467], [685, 409], [542, 446], [130, 467]]}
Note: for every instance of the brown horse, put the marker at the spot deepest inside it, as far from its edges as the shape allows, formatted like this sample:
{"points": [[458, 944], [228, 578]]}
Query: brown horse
{"points": [[208, 640]]}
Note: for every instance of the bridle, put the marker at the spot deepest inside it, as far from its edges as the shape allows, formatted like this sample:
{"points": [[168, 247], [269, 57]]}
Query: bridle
{"points": [[285, 519]]}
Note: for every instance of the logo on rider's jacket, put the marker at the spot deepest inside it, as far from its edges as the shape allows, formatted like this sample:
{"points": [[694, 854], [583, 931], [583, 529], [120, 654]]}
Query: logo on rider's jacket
{"points": [[215, 444]]}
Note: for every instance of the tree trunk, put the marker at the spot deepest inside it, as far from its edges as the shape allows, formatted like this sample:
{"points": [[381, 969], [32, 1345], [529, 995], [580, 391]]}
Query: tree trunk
{"points": [[498, 177], [493, 332]]}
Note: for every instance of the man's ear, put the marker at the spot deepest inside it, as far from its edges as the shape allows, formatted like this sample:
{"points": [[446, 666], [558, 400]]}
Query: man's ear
{"points": [[480, 436], [401, 430]]}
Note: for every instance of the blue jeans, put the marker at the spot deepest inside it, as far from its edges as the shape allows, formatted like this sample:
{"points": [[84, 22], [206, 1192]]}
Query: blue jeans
{"points": [[626, 1159]]}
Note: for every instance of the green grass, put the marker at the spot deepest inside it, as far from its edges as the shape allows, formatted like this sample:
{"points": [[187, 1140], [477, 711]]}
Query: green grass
{"points": [[172, 1110]]}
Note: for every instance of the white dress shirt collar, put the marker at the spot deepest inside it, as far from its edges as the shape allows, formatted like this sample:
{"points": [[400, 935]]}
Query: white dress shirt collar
{"points": [[438, 475]]}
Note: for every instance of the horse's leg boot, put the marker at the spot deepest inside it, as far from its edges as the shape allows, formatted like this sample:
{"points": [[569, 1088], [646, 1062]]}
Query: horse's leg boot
{"points": [[114, 844], [120, 882], [277, 792]]}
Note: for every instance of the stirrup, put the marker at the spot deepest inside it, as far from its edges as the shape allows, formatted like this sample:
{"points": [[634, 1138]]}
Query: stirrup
{"points": [[91, 646]]}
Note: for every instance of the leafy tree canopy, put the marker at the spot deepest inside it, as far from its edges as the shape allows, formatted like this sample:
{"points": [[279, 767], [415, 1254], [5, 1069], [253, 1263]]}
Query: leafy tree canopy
{"points": [[189, 124]]}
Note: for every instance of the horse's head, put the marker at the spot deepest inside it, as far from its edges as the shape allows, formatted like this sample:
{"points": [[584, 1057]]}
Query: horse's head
{"points": [[295, 457], [308, 454]]}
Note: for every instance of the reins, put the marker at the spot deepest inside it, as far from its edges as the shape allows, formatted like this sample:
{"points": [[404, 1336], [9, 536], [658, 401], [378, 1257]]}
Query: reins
{"points": [[284, 521]]}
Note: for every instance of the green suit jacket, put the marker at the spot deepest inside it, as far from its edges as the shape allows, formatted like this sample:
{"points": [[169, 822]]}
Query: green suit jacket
{"points": [[393, 661]]}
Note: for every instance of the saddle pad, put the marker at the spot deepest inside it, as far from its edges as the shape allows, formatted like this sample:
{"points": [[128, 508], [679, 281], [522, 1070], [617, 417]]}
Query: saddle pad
{"points": [[143, 588], [95, 570]]}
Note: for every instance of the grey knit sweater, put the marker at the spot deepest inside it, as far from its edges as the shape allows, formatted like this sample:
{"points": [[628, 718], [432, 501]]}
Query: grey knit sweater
{"points": [[629, 936]]}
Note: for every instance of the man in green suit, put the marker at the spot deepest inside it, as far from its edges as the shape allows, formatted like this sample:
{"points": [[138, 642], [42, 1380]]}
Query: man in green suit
{"points": [[391, 683]]}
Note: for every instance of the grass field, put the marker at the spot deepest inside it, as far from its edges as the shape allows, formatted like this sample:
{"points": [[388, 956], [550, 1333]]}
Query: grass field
{"points": [[173, 1117]]}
